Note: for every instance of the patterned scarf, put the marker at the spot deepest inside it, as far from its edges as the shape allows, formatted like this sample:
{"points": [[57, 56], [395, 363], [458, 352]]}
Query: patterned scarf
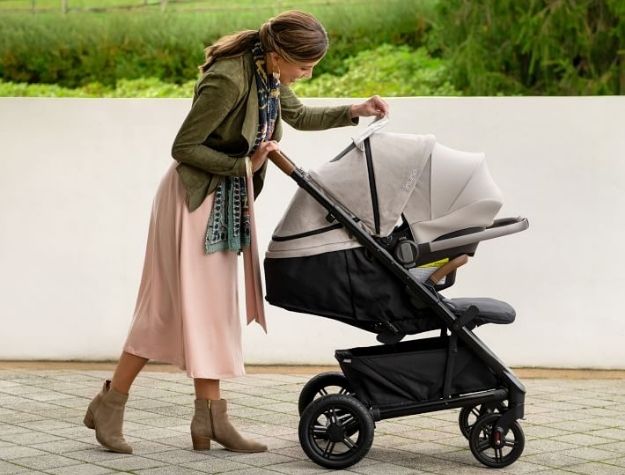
{"points": [[229, 224]]}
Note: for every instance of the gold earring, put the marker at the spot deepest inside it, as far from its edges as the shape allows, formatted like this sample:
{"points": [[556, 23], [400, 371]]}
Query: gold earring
{"points": [[275, 69]]}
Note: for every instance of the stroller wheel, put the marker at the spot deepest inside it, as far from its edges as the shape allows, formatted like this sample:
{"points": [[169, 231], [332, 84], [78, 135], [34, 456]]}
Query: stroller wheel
{"points": [[470, 414], [336, 431], [332, 382], [492, 447]]}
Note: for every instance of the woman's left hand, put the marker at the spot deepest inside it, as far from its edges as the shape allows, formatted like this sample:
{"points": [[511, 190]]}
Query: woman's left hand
{"points": [[372, 106]]}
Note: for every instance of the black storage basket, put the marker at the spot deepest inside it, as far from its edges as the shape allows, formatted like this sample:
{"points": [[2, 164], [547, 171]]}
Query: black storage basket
{"points": [[412, 371]]}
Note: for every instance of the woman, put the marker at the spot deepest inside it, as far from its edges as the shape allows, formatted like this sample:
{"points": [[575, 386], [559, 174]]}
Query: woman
{"points": [[187, 309]]}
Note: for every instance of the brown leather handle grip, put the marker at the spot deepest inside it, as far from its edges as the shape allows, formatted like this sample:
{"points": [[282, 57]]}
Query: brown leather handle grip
{"points": [[448, 268], [283, 162]]}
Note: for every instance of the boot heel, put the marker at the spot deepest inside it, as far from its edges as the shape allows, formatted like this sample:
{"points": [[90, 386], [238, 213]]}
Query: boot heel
{"points": [[200, 443], [88, 420]]}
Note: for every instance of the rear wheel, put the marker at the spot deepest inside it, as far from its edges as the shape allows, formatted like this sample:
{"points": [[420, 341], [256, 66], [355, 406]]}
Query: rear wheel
{"points": [[491, 446], [336, 431], [332, 382]]}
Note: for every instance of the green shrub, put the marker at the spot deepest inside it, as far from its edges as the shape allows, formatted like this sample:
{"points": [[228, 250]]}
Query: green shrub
{"points": [[144, 87], [387, 71], [80, 48], [541, 47]]}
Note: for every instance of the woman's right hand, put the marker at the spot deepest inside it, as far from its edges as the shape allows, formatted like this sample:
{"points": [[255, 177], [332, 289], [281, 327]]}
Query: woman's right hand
{"points": [[260, 155]]}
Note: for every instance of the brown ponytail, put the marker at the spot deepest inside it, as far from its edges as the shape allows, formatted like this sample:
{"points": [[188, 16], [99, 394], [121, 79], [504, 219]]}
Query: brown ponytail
{"points": [[296, 36]]}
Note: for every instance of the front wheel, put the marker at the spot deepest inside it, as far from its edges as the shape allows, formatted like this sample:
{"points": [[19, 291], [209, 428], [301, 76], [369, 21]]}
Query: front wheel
{"points": [[470, 414], [336, 431], [491, 446]]}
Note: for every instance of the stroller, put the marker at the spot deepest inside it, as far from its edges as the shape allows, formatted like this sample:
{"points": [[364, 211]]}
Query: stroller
{"points": [[370, 239]]}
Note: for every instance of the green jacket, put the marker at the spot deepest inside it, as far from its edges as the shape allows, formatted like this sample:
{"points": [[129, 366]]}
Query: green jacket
{"points": [[219, 131]]}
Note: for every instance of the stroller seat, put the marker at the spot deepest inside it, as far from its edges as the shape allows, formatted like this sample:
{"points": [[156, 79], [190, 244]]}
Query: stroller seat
{"points": [[485, 310]]}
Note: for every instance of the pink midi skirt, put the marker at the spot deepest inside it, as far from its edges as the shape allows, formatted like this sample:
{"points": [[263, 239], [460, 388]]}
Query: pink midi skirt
{"points": [[187, 310]]}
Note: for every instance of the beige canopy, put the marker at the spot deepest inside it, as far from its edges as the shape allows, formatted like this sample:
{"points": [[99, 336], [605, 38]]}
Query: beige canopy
{"points": [[436, 189]]}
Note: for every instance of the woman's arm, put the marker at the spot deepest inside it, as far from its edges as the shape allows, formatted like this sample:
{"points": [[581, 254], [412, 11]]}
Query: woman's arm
{"points": [[217, 94], [302, 117]]}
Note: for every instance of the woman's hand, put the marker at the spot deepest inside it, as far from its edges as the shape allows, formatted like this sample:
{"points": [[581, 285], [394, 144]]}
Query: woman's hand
{"points": [[372, 106], [259, 157]]}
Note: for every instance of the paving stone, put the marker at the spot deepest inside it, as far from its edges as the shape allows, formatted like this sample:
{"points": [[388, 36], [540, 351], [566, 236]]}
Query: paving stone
{"points": [[63, 446], [300, 467], [551, 459], [132, 463], [177, 456], [83, 469], [33, 437], [215, 465], [7, 468], [95, 455], [44, 462], [583, 439], [15, 451], [383, 469], [169, 470], [589, 453], [596, 469]]}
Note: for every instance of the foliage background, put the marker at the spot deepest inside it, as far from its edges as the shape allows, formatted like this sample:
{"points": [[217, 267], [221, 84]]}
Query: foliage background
{"points": [[103, 48]]}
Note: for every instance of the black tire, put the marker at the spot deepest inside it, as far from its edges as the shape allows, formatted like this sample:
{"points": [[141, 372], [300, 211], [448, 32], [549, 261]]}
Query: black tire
{"points": [[332, 382], [470, 414], [483, 442], [325, 428]]}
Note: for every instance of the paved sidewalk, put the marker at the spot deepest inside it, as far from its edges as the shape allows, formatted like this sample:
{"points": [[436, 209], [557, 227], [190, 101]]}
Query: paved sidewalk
{"points": [[571, 426]]}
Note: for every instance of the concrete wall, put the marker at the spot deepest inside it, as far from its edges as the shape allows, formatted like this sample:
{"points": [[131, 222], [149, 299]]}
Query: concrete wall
{"points": [[77, 178]]}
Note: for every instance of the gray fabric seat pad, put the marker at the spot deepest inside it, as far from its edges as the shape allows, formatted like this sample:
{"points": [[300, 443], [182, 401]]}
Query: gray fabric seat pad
{"points": [[489, 310]]}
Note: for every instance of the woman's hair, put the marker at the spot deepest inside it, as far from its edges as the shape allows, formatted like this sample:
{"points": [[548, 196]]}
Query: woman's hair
{"points": [[294, 35]]}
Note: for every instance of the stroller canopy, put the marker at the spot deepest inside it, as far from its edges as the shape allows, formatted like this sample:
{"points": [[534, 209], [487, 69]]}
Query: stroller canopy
{"points": [[436, 189]]}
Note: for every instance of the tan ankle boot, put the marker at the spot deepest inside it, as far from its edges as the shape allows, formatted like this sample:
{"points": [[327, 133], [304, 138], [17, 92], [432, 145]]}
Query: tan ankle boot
{"points": [[210, 422], [105, 414]]}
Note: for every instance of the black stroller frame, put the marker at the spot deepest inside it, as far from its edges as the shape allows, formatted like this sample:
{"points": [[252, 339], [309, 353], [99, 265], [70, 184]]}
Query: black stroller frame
{"points": [[494, 419]]}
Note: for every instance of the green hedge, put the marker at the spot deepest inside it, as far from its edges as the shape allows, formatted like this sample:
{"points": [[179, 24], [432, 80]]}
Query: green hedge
{"points": [[387, 70], [533, 47], [81, 48]]}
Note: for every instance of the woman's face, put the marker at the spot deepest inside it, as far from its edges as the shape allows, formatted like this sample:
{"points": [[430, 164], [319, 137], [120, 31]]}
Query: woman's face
{"points": [[291, 72]]}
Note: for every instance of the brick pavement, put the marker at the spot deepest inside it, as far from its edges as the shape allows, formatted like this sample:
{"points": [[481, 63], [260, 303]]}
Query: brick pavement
{"points": [[571, 426]]}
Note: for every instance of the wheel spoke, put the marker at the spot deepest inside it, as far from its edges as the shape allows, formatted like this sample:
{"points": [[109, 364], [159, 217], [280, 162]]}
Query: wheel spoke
{"points": [[498, 454], [333, 416], [344, 391], [509, 443], [329, 448], [483, 445], [475, 411], [319, 431], [349, 442], [345, 419], [322, 392]]}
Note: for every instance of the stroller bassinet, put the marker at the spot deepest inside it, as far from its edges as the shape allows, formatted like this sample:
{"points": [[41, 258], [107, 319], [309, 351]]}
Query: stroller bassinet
{"points": [[370, 239], [423, 202]]}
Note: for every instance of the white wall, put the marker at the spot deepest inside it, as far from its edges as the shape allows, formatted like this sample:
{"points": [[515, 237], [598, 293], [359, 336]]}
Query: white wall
{"points": [[77, 178]]}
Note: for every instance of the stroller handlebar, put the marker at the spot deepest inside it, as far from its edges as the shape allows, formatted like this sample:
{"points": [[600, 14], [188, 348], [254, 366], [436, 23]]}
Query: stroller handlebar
{"points": [[283, 162]]}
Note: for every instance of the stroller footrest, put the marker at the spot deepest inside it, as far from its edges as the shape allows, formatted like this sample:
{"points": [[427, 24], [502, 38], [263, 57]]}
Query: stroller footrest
{"points": [[488, 310]]}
